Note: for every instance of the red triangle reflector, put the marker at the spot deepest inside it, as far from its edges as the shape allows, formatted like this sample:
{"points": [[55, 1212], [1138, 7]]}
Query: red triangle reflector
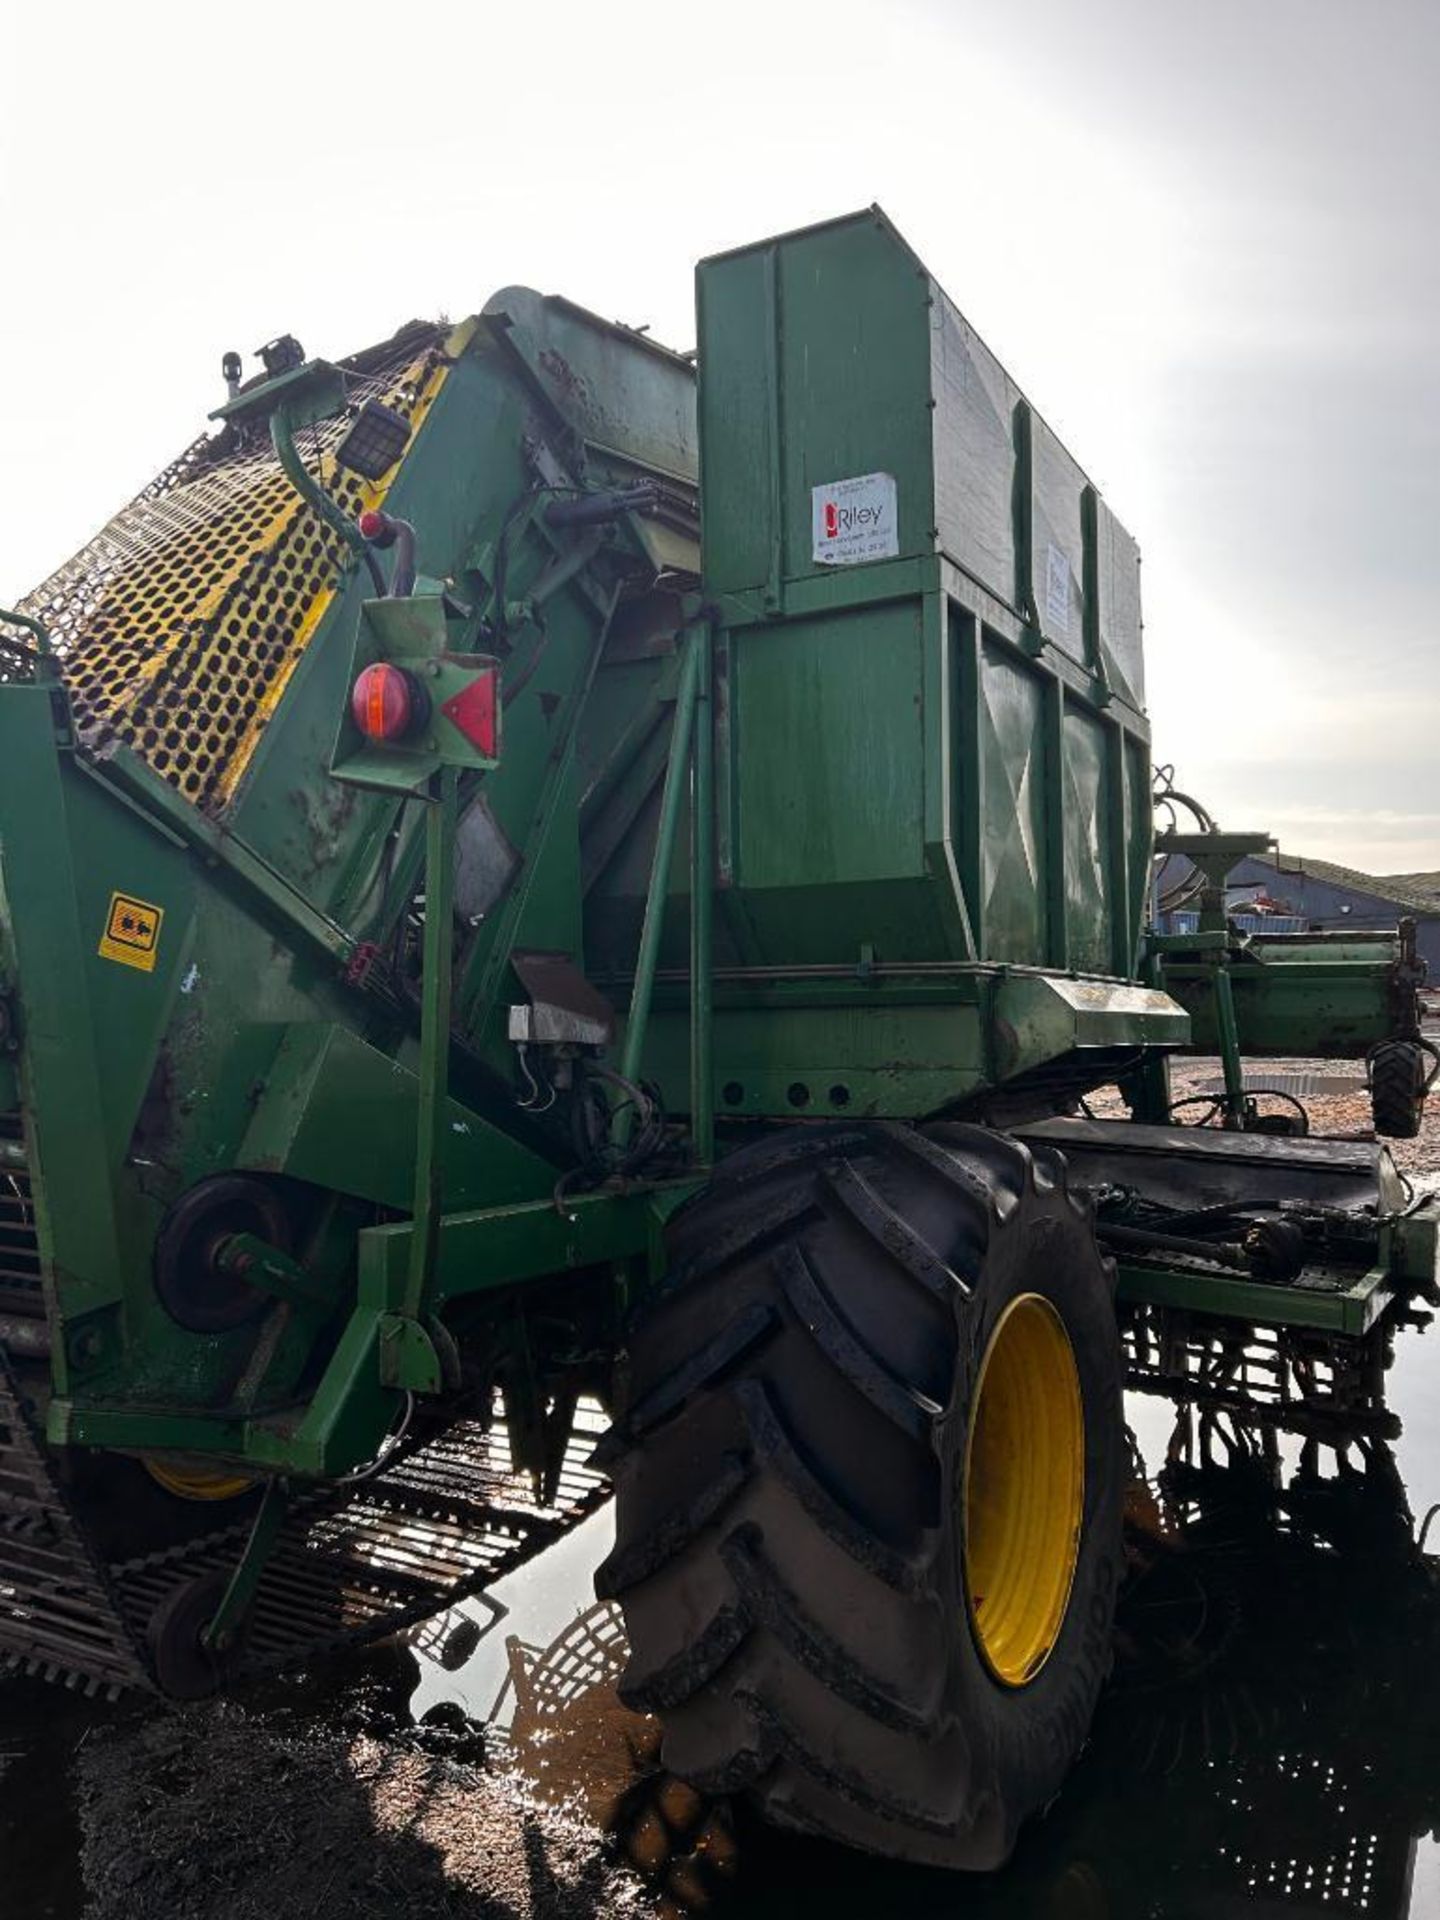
{"points": [[472, 710]]}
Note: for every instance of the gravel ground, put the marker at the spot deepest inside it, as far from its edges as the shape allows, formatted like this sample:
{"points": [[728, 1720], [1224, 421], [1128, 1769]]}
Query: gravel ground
{"points": [[1335, 1116]]}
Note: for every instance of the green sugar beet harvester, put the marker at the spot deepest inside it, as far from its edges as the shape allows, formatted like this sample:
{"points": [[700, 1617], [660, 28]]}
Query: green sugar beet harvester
{"points": [[559, 903]]}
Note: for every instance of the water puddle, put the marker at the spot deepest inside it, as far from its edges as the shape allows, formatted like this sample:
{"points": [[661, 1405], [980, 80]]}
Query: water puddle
{"points": [[1269, 1743]]}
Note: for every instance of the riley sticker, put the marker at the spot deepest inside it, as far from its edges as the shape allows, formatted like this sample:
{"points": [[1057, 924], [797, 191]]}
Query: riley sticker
{"points": [[855, 520]]}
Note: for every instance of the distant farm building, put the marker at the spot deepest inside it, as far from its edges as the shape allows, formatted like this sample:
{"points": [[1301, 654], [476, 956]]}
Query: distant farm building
{"points": [[1287, 894]]}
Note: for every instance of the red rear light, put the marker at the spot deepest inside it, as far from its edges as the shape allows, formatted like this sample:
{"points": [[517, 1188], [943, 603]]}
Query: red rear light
{"points": [[372, 523], [387, 703]]}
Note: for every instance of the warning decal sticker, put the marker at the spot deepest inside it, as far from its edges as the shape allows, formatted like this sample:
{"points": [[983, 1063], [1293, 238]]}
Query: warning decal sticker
{"points": [[854, 520], [132, 932]]}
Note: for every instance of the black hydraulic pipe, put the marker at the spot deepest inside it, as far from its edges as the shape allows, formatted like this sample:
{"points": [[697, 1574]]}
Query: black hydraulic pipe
{"points": [[387, 530], [593, 509], [402, 577], [1145, 1240]]}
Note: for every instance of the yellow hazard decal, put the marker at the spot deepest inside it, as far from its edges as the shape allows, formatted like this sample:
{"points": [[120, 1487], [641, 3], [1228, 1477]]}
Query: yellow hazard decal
{"points": [[132, 932]]}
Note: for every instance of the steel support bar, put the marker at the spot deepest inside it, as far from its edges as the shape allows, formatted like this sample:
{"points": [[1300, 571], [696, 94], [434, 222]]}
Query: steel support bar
{"points": [[671, 803], [502, 1246], [702, 908], [438, 965], [1351, 1310], [1230, 1050], [228, 1619]]}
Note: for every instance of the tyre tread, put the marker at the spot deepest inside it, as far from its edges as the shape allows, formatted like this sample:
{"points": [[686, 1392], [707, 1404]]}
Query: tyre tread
{"points": [[815, 1310]]}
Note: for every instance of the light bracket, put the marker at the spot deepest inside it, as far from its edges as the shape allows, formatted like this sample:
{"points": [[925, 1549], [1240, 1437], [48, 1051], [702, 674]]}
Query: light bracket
{"points": [[462, 728]]}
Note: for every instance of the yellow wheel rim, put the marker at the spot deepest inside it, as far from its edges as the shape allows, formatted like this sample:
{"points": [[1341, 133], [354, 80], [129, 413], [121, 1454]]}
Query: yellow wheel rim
{"points": [[197, 1483], [1024, 1495]]}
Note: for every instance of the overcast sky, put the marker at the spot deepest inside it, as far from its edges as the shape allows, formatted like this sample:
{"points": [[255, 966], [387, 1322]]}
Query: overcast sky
{"points": [[1202, 236]]}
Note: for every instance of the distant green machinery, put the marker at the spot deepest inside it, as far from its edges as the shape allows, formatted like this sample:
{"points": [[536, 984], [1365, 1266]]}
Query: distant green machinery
{"points": [[1321, 995], [526, 906]]}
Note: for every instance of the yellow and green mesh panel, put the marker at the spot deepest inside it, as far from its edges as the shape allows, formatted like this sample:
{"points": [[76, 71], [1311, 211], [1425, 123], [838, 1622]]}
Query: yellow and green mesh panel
{"points": [[181, 622]]}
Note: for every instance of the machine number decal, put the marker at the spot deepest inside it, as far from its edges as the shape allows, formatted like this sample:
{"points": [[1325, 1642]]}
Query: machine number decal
{"points": [[132, 932], [855, 520]]}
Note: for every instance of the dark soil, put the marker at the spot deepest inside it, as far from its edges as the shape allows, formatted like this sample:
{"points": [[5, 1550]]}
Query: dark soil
{"points": [[226, 1812], [42, 1729]]}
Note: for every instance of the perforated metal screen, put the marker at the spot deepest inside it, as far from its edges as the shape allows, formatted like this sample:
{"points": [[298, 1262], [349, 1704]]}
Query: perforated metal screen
{"points": [[179, 625]]}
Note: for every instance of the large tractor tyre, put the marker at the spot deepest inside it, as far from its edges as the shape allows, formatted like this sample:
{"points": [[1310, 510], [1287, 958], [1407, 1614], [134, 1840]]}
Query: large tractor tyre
{"points": [[869, 1468], [1400, 1075]]}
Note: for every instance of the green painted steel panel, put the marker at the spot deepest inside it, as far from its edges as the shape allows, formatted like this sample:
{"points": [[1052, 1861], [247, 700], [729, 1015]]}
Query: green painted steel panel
{"points": [[878, 357], [620, 391], [1057, 542], [801, 323], [830, 737], [1012, 790], [974, 449], [1040, 1017], [342, 1115], [739, 527], [1088, 888], [1298, 1003], [1118, 589]]}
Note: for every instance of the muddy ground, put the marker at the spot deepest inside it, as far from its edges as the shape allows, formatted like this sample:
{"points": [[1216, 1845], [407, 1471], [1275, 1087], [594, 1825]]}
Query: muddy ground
{"points": [[285, 1816]]}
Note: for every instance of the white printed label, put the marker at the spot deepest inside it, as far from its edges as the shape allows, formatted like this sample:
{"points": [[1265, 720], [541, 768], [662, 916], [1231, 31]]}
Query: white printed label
{"points": [[855, 520], [1057, 592]]}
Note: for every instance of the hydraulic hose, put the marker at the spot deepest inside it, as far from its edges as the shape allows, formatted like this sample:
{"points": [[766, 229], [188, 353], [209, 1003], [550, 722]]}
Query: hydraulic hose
{"points": [[282, 439], [9, 618]]}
